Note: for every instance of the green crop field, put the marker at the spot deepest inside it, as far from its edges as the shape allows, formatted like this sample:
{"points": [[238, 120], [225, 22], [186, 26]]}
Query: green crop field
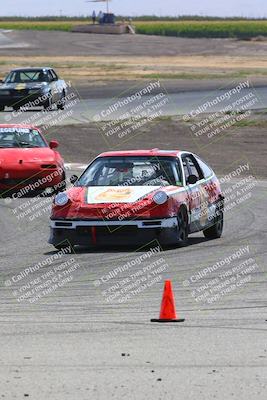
{"points": [[41, 25], [208, 29], [243, 29]]}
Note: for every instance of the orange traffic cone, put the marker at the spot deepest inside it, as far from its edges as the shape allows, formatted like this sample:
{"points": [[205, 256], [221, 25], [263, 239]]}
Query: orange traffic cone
{"points": [[167, 310]]}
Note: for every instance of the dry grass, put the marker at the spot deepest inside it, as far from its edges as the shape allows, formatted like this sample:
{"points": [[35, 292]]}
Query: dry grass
{"points": [[123, 68]]}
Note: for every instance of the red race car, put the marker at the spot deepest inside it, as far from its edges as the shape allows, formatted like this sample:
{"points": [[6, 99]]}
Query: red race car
{"points": [[27, 163], [138, 196]]}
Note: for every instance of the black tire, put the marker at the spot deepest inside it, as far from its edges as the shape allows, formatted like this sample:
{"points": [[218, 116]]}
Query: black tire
{"points": [[57, 189], [215, 231], [16, 108], [2, 108], [48, 104], [62, 186], [62, 102], [182, 228], [62, 246]]}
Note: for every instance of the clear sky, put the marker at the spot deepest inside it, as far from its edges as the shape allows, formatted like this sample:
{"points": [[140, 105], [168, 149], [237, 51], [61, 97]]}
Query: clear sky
{"points": [[245, 8]]}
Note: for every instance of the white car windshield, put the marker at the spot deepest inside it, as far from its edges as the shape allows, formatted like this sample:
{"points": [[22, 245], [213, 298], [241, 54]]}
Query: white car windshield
{"points": [[27, 76], [132, 171]]}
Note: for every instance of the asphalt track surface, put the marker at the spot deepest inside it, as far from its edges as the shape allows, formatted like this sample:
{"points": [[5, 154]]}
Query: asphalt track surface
{"points": [[73, 343], [84, 109]]}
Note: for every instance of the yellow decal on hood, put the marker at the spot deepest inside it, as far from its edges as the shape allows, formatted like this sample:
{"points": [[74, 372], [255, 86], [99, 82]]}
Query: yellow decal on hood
{"points": [[118, 194], [20, 86], [114, 194]]}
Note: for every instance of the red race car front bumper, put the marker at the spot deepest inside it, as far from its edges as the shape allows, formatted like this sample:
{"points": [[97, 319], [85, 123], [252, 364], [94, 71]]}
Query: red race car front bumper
{"points": [[100, 232]]}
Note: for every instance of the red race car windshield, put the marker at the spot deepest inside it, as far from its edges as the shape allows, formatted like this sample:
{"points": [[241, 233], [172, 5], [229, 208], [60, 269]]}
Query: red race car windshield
{"points": [[20, 137], [132, 171]]}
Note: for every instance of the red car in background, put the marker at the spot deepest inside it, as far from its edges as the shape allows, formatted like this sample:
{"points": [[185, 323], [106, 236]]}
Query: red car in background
{"points": [[138, 196], [28, 163]]}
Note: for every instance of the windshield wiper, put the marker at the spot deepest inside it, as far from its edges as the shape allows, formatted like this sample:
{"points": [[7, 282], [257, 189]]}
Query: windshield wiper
{"points": [[27, 144]]}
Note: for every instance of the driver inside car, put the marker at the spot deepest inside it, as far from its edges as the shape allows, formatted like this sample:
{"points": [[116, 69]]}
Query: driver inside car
{"points": [[121, 176]]}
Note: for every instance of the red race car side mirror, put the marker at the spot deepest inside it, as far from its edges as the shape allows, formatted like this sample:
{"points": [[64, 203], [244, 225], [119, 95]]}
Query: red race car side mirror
{"points": [[53, 144]]}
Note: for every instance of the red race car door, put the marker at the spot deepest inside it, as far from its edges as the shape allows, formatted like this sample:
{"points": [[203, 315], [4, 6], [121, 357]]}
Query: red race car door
{"points": [[198, 196]]}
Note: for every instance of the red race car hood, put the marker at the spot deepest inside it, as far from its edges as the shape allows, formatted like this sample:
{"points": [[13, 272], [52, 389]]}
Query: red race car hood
{"points": [[110, 202], [116, 194], [14, 155]]}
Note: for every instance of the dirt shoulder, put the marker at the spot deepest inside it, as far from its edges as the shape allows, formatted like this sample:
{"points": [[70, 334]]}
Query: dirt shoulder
{"points": [[117, 74], [243, 144], [56, 43], [92, 59]]}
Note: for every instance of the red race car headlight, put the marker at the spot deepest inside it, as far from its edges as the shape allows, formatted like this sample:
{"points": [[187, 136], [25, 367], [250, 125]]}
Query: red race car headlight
{"points": [[61, 199], [160, 197]]}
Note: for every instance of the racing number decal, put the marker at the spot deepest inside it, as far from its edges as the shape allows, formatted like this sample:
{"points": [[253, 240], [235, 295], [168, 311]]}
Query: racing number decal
{"points": [[204, 196]]}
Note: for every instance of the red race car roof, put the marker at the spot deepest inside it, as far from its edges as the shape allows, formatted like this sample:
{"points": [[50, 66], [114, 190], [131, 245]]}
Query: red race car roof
{"points": [[152, 152]]}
